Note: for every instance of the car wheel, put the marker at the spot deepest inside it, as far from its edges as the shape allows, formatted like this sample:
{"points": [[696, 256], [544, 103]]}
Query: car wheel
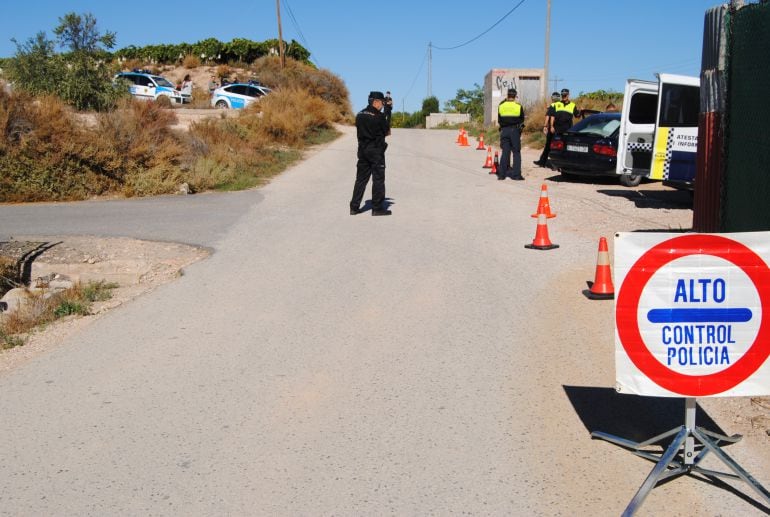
{"points": [[222, 105], [630, 180], [163, 101]]}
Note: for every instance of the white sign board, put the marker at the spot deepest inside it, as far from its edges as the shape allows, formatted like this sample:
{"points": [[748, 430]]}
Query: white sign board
{"points": [[692, 314]]}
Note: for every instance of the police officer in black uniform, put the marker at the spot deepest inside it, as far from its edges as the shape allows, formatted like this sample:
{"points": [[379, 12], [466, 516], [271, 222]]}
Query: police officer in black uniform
{"points": [[548, 129], [510, 117], [388, 108], [371, 127]]}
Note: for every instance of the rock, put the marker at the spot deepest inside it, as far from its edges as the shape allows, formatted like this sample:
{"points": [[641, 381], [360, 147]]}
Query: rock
{"points": [[61, 284], [42, 282], [14, 299], [184, 189]]}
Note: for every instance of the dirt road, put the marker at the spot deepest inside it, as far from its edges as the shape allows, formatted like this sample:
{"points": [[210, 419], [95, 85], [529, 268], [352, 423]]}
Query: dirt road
{"points": [[322, 363]]}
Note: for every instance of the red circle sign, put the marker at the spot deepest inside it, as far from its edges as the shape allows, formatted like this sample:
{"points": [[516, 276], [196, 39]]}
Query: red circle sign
{"points": [[626, 313]]}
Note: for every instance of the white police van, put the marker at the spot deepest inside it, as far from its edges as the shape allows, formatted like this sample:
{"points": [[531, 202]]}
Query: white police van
{"points": [[659, 129], [238, 95], [144, 85]]}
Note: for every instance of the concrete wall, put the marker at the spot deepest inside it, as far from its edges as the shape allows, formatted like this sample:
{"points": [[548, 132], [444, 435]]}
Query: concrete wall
{"points": [[529, 83], [435, 119]]}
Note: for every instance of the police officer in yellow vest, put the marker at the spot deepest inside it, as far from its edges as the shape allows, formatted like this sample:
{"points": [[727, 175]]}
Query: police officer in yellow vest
{"points": [[565, 109], [510, 118]]}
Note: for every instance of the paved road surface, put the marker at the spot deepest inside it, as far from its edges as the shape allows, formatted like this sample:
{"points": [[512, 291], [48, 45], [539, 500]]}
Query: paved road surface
{"points": [[321, 363], [200, 219]]}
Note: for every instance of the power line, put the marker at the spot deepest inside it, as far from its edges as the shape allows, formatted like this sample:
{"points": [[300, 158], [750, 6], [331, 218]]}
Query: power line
{"points": [[295, 23], [424, 58], [489, 29]]}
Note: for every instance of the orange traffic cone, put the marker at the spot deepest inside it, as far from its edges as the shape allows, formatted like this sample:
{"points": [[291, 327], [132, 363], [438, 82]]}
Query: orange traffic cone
{"points": [[488, 163], [464, 142], [460, 136], [495, 164], [481, 147], [543, 206], [601, 288], [541, 241]]}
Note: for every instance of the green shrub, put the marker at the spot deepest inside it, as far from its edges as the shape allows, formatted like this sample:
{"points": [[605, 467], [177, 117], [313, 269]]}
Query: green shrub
{"points": [[82, 77]]}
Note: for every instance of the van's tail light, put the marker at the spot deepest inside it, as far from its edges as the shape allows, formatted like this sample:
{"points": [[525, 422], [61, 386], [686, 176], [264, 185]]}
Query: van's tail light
{"points": [[604, 149], [557, 145]]}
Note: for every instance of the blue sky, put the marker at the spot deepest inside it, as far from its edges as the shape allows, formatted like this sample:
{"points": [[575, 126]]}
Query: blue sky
{"points": [[595, 44]]}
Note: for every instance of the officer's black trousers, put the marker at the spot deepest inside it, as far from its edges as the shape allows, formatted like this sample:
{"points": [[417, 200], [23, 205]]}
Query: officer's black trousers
{"points": [[547, 149], [371, 163], [510, 142]]}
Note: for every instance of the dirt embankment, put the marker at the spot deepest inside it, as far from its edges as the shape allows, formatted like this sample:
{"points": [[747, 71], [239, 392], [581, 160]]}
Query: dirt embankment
{"points": [[136, 266]]}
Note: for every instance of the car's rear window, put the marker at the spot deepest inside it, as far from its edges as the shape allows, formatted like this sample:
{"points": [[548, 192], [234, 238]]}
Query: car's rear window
{"points": [[603, 125]]}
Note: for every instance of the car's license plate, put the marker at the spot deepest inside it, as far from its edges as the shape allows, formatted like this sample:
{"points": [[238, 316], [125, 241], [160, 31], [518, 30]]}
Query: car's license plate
{"points": [[578, 148]]}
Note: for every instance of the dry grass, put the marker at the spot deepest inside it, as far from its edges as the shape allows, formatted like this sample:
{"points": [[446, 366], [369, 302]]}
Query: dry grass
{"points": [[41, 152], [224, 72], [8, 275], [288, 116], [47, 154], [296, 75], [191, 61], [45, 307]]}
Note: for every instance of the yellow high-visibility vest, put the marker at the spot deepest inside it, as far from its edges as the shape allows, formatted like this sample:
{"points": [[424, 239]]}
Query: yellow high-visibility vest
{"points": [[509, 109], [569, 107]]}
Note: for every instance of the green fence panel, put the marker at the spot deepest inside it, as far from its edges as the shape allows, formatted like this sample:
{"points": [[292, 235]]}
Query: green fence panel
{"points": [[747, 182]]}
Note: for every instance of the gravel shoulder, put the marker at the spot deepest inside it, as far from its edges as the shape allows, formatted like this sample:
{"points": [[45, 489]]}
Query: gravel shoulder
{"points": [[136, 266]]}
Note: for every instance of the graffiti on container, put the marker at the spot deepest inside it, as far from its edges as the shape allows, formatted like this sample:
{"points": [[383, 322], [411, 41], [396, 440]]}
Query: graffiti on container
{"points": [[503, 83]]}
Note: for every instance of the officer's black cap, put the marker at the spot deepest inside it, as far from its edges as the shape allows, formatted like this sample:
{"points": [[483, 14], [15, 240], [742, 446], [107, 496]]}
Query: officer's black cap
{"points": [[564, 91], [375, 96], [512, 92]]}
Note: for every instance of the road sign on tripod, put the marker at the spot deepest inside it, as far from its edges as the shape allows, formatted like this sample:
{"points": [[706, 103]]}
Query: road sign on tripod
{"points": [[692, 319]]}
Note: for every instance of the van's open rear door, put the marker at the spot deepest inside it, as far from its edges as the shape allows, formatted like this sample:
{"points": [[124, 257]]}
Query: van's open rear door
{"points": [[637, 128], [676, 135]]}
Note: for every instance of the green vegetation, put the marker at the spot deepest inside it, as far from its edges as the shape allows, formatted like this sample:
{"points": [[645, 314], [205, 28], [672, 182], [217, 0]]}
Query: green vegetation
{"points": [[81, 77], [211, 50], [416, 119], [408, 120], [468, 101], [8, 341], [43, 309]]}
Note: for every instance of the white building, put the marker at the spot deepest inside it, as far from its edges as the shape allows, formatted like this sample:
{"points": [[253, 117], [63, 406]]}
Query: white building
{"points": [[529, 83]]}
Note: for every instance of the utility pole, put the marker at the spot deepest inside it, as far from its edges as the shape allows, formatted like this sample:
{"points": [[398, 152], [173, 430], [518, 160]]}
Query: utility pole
{"points": [[547, 47], [430, 69], [555, 82], [280, 34]]}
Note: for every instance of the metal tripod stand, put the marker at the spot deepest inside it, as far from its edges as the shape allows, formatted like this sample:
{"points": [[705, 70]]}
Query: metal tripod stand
{"points": [[673, 463]]}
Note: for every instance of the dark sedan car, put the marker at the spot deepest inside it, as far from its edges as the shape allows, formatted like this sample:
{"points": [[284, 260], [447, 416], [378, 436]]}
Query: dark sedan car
{"points": [[590, 148]]}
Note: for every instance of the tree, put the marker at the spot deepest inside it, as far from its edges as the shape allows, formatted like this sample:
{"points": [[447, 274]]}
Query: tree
{"points": [[468, 101], [79, 34], [81, 77], [429, 105]]}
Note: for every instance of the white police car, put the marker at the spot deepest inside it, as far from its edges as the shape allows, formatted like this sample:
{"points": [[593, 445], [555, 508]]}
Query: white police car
{"points": [[144, 85], [238, 95]]}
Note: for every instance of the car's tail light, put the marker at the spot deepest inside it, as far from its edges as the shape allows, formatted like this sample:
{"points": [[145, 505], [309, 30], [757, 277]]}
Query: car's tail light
{"points": [[604, 149], [557, 145]]}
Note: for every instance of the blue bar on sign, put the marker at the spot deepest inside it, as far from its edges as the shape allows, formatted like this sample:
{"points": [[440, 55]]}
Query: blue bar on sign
{"points": [[699, 315]]}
